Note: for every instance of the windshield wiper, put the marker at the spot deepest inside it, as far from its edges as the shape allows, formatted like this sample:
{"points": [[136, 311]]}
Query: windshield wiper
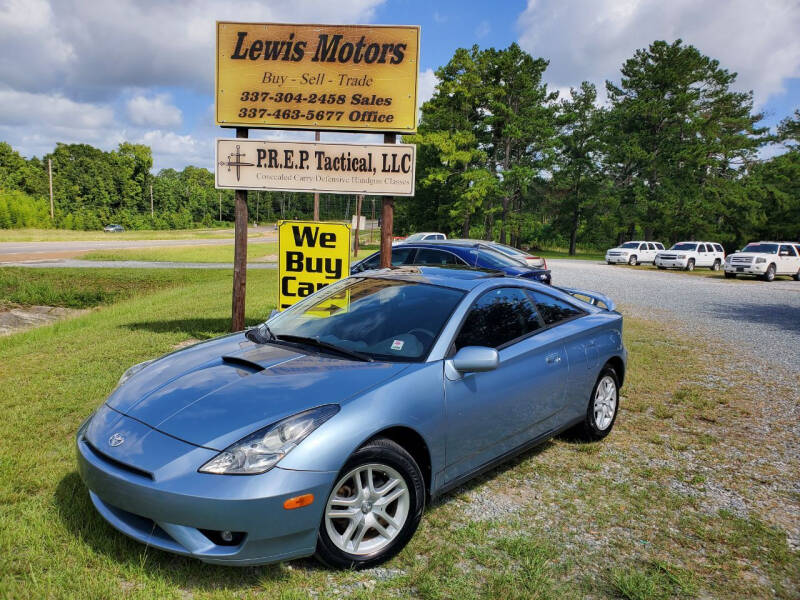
{"points": [[255, 334], [312, 341]]}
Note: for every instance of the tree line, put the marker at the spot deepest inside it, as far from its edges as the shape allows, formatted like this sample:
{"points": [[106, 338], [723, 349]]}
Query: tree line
{"points": [[673, 154], [92, 188]]}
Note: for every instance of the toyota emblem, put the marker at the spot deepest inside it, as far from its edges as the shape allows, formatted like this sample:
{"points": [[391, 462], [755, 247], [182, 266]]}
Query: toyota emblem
{"points": [[116, 440]]}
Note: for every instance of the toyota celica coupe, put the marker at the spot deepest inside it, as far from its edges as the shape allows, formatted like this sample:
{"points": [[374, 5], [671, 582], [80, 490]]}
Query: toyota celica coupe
{"points": [[326, 429]]}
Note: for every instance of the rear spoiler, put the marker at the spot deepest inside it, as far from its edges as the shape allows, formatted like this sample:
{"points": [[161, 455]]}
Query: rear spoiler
{"points": [[593, 298]]}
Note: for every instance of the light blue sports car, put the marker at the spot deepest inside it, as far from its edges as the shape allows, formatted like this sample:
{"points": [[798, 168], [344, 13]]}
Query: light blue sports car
{"points": [[326, 430]]}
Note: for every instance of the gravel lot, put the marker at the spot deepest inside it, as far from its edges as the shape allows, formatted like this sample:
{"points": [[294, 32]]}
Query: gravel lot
{"points": [[753, 315]]}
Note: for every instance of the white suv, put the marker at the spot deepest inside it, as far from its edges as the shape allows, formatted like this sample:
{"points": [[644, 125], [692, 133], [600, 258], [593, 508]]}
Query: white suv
{"points": [[688, 255], [634, 253], [765, 260]]}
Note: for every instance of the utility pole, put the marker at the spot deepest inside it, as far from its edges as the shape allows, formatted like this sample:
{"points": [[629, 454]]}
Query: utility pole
{"points": [[316, 194], [151, 199], [50, 174], [239, 253], [387, 216], [359, 199]]}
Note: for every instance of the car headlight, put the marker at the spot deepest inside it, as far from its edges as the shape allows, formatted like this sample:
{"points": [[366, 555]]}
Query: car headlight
{"points": [[681, 256], [728, 260], [260, 451], [761, 259], [133, 371]]}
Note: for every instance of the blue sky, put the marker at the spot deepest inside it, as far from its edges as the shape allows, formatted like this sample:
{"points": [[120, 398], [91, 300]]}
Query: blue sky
{"points": [[142, 70]]}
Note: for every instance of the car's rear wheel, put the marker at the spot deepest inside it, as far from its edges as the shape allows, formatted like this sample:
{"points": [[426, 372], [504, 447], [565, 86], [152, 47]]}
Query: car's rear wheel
{"points": [[797, 275], [769, 275], [716, 266], [690, 265], [601, 413], [730, 275], [633, 260], [373, 509]]}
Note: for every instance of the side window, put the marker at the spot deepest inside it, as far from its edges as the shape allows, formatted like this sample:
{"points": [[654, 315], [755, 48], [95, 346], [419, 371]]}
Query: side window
{"points": [[370, 263], [400, 256], [701, 247], [554, 310], [428, 256], [642, 246], [498, 317], [651, 246], [719, 248], [787, 250], [659, 246]]}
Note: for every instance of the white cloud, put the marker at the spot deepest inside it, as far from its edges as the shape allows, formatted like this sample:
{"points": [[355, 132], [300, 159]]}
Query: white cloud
{"points": [[590, 39], [157, 111], [483, 29], [426, 86], [53, 110], [91, 49]]}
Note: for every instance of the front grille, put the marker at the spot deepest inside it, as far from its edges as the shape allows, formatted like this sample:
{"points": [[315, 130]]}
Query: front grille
{"points": [[613, 253], [113, 461], [741, 260], [669, 256]]}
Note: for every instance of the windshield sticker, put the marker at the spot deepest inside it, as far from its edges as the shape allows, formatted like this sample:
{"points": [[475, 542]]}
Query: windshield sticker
{"points": [[398, 344]]}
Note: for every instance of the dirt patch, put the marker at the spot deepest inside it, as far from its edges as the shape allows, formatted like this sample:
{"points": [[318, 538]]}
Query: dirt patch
{"points": [[267, 258], [18, 319], [40, 256]]}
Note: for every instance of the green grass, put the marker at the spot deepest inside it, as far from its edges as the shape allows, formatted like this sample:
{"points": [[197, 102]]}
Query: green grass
{"points": [[62, 235], [598, 520], [84, 288], [256, 252]]}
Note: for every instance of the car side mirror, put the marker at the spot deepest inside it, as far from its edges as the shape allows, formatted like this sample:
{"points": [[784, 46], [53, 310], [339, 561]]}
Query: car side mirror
{"points": [[472, 359]]}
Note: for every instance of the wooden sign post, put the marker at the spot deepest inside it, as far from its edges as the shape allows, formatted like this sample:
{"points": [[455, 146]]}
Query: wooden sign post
{"points": [[239, 250]]}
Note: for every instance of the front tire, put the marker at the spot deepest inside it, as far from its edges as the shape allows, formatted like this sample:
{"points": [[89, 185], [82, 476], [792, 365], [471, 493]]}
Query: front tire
{"points": [[632, 261], [690, 265], [730, 275], [770, 274], [601, 413], [373, 509]]}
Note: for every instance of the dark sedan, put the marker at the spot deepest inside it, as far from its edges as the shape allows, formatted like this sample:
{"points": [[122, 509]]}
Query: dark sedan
{"points": [[467, 253]]}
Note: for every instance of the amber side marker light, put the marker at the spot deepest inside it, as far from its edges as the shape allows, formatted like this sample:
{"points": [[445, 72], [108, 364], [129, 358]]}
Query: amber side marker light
{"points": [[298, 501]]}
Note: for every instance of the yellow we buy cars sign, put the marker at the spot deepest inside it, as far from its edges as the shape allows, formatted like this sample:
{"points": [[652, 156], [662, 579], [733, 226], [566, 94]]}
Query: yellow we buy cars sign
{"points": [[339, 77], [311, 255]]}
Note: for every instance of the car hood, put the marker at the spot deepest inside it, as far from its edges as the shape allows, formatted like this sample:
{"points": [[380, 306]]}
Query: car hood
{"points": [[215, 393], [750, 254], [618, 249]]}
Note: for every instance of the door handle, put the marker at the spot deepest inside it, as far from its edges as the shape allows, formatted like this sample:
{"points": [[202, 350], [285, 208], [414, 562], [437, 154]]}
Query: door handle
{"points": [[553, 359]]}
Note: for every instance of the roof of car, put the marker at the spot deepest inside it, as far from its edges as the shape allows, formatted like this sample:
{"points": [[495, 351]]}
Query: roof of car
{"points": [[455, 276]]}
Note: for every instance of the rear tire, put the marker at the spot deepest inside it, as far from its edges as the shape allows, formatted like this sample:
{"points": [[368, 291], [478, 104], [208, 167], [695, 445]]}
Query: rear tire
{"points": [[796, 276], [770, 273], [601, 412], [381, 530], [730, 275], [716, 266], [632, 261], [690, 265]]}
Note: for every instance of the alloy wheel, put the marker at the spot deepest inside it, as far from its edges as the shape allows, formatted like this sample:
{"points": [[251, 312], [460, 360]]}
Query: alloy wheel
{"points": [[367, 509], [605, 402]]}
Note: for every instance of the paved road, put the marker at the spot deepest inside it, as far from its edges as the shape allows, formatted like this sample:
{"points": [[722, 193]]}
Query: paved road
{"points": [[15, 251], [129, 264], [761, 318]]}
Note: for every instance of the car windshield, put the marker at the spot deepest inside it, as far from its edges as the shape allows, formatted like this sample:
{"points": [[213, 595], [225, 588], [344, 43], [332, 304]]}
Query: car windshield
{"points": [[384, 319], [762, 248], [686, 247], [415, 237], [633, 245]]}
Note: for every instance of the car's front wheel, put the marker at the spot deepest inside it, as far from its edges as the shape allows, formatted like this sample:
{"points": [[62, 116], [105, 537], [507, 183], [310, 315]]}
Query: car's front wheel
{"points": [[373, 509], [632, 261], [729, 275], [690, 265], [602, 410], [770, 274]]}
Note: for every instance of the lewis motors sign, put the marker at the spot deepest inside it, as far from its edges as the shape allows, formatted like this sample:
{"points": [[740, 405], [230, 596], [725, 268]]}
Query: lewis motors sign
{"points": [[371, 169]]}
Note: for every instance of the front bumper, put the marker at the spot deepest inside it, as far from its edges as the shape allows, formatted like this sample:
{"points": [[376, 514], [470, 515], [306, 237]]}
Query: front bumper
{"points": [[168, 512], [617, 259], [751, 269], [677, 263]]}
